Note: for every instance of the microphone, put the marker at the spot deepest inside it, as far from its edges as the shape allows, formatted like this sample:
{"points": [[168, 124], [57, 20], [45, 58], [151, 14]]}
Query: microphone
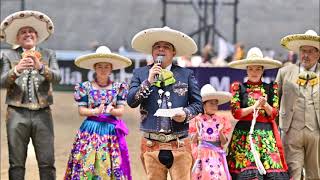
{"points": [[158, 60]]}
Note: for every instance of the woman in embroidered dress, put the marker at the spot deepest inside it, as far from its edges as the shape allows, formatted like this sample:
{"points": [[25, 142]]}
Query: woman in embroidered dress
{"points": [[209, 133], [99, 150], [256, 153]]}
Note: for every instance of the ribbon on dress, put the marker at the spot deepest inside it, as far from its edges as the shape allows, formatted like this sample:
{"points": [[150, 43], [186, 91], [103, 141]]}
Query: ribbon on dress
{"points": [[215, 147], [253, 150], [121, 132]]}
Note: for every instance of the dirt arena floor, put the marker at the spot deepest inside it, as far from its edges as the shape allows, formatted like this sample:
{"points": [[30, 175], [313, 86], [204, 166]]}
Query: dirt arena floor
{"points": [[66, 123]]}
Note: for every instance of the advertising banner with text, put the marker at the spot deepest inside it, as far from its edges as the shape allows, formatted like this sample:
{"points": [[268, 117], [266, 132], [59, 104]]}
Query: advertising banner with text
{"points": [[219, 77]]}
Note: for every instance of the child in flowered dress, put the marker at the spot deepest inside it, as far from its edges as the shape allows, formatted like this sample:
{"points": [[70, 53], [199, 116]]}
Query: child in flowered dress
{"points": [[100, 151], [209, 133]]}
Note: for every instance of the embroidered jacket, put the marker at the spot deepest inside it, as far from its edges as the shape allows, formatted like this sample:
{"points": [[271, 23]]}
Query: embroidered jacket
{"points": [[30, 90], [183, 93]]}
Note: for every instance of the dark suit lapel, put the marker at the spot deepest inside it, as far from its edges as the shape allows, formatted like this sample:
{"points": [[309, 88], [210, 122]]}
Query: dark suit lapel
{"points": [[174, 70], [19, 52], [147, 72]]}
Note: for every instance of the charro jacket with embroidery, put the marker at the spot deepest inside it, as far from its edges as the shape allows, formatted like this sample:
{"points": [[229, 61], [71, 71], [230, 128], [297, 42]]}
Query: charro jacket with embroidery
{"points": [[183, 93], [29, 90], [289, 92]]}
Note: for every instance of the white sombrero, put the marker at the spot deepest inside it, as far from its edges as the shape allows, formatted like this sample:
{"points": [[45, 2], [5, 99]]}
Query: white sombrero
{"points": [[208, 92], [295, 41], [102, 54], [37, 20], [144, 40], [255, 57]]}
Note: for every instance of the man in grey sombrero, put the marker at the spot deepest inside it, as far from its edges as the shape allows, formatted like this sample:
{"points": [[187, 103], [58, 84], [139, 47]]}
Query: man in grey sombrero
{"points": [[165, 145], [28, 73], [299, 89]]}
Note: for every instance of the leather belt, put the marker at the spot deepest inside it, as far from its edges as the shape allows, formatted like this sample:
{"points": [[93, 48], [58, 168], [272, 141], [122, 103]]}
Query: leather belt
{"points": [[163, 137], [29, 106]]}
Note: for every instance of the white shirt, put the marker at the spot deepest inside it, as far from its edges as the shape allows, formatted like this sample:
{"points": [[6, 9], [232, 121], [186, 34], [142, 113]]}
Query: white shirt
{"points": [[34, 48], [313, 68], [169, 67]]}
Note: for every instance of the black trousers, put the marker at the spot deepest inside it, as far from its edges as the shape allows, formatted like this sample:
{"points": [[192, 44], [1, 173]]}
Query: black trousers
{"points": [[23, 124]]}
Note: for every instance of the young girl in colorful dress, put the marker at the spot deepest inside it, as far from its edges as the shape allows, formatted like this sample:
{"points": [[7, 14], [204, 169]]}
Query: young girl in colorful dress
{"points": [[255, 150], [209, 133], [100, 150]]}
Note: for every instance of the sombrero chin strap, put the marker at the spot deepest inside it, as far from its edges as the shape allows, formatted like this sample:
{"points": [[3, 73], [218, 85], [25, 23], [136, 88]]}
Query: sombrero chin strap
{"points": [[253, 150]]}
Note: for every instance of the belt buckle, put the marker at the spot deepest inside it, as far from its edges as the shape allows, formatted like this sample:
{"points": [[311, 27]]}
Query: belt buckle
{"points": [[34, 106], [162, 137], [149, 143]]}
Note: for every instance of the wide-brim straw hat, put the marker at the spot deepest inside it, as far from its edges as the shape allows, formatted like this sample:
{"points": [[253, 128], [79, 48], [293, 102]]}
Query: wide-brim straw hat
{"points": [[255, 57], [208, 92], [295, 41], [11, 25], [183, 44], [102, 54]]}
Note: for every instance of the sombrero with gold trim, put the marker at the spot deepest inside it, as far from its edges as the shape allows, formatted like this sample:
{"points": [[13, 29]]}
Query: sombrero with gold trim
{"points": [[255, 57], [144, 40], [40, 22], [208, 92], [295, 41], [102, 54]]}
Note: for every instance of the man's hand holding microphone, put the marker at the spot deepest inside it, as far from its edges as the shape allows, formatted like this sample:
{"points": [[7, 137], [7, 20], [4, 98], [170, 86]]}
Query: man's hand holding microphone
{"points": [[155, 71]]}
